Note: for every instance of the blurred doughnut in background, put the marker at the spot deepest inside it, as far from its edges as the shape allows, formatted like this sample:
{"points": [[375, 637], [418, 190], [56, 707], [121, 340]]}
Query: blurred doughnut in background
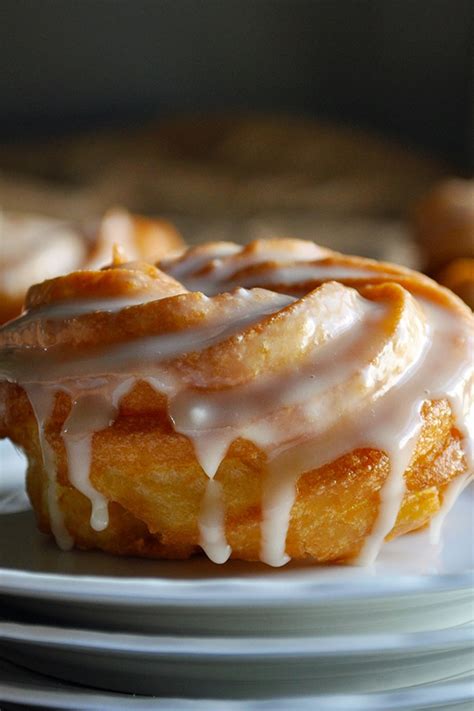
{"points": [[35, 248], [444, 229]]}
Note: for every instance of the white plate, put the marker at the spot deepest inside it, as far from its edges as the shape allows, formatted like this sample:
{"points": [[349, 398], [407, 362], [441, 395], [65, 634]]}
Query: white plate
{"points": [[209, 648], [218, 667], [19, 686], [413, 586]]}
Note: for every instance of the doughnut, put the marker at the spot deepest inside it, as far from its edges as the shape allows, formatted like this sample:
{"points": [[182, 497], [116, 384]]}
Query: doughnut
{"points": [[35, 248], [269, 402], [444, 228], [459, 277]]}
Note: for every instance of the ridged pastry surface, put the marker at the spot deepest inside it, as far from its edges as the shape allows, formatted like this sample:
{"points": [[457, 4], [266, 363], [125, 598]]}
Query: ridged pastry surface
{"points": [[268, 402]]}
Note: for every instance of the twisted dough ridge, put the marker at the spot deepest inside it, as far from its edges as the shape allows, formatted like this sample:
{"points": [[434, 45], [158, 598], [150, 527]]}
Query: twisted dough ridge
{"points": [[273, 401]]}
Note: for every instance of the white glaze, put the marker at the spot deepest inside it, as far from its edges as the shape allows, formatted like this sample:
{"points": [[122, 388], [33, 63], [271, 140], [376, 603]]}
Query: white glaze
{"points": [[299, 274], [288, 275], [450, 496], [74, 308], [212, 524], [213, 270], [42, 401], [360, 386], [90, 412], [194, 260]]}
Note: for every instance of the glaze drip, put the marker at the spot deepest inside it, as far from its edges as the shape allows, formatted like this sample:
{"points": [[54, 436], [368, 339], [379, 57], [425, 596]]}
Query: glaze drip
{"points": [[42, 401], [212, 524], [89, 413]]}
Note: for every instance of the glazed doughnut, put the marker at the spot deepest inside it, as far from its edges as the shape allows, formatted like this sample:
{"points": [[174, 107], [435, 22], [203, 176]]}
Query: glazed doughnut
{"points": [[444, 223], [459, 277], [266, 402], [35, 248], [444, 227]]}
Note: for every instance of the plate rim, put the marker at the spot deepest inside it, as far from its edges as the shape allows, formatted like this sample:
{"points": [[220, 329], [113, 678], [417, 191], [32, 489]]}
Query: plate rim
{"points": [[453, 690], [355, 645], [217, 592]]}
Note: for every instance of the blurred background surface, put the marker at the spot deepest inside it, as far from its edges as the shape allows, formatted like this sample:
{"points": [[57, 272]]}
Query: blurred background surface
{"points": [[320, 119], [401, 67]]}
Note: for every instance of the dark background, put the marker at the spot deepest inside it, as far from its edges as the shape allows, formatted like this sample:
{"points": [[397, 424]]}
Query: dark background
{"points": [[405, 68]]}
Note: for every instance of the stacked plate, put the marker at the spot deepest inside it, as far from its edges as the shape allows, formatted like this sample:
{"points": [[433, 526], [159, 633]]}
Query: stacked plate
{"points": [[172, 635]]}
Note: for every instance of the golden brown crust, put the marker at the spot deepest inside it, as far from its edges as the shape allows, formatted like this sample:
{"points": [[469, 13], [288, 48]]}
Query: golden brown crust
{"points": [[156, 490]]}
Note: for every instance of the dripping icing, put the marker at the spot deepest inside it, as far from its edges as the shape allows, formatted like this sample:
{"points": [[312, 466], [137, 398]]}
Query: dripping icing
{"points": [[212, 524], [89, 413], [42, 401], [453, 490]]}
